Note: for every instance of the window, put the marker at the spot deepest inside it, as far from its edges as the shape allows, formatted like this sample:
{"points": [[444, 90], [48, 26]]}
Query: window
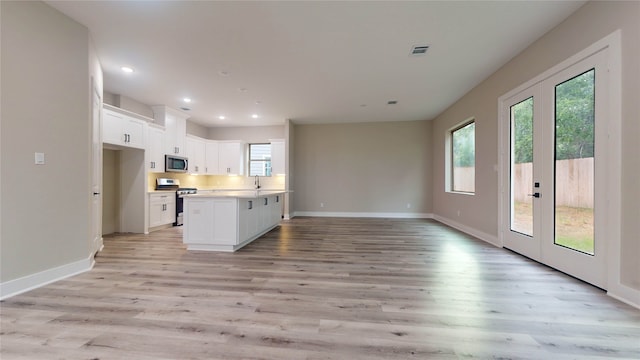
{"points": [[462, 159], [260, 159]]}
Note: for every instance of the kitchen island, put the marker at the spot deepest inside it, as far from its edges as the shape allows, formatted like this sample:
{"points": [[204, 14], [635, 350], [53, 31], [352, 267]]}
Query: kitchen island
{"points": [[229, 220]]}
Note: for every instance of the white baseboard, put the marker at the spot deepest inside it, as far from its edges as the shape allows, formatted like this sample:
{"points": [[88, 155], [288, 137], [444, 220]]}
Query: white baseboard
{"points": [[491, 239], [625, 294], [18, 286], [364, 215]]}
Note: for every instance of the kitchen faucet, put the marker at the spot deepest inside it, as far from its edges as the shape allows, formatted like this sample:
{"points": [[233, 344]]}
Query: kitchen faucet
{"points": [[256, 182]]}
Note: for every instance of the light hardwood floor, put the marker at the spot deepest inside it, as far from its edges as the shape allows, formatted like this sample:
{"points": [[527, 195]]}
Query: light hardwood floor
{"points": [[319, 288]]}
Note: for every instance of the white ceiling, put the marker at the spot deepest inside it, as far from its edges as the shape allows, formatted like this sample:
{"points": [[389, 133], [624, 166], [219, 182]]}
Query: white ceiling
{"points": [[311, 62]]}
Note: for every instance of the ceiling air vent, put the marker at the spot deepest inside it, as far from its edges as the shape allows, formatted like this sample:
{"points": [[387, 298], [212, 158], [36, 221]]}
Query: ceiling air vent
{"points": [[419, 50]]}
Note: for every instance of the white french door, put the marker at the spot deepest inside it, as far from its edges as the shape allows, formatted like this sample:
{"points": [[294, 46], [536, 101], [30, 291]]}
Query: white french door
{"points": [[553, 169]]}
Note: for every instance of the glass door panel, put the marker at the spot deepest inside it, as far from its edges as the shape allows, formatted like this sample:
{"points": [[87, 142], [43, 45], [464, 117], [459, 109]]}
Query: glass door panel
{"points": [[522, 167], [574, 163]]}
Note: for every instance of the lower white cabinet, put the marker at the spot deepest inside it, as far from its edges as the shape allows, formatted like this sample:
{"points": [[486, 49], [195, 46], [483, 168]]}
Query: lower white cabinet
{"points": [[220, 223], [162, 209]]}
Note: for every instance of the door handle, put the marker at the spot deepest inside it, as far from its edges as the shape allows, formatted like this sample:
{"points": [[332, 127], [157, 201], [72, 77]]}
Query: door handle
{"points": [[535, 195], [96, 193]]}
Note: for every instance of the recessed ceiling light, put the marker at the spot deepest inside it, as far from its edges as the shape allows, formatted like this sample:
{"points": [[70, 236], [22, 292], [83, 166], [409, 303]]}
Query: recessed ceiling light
{"points": [[187, 100], [221, 117], [392, 102], [255, 116], [127, 69]]}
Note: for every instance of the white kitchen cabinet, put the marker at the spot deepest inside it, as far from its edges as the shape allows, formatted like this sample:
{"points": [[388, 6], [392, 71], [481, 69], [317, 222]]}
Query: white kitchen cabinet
{"points": [[227, 221], [210, 222], [276, 209], [277, 157], [212, 163], [123, 130], [230, 157], [245, 208], [196, 153], [155, 149], [162, 208], [175, 125]]}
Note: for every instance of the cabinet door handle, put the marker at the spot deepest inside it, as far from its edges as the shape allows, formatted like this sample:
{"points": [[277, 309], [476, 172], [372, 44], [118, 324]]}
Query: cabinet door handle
{"points": [[266, 201], [250, 204]]}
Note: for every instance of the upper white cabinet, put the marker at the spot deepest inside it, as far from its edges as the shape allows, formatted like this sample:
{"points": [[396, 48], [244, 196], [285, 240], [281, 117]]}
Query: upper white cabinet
{"points": [[212, 163], [121, 129], [175, 125], [155, 149], [230, 157], [196, 154], [277, 157]]}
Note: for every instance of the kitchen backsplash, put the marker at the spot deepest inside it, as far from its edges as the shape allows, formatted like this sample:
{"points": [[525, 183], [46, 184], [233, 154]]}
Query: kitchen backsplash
{"points": [[206, 182]]}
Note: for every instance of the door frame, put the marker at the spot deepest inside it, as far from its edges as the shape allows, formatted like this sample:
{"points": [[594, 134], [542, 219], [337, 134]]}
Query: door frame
{"points": [[96, 172], [611, 184]]}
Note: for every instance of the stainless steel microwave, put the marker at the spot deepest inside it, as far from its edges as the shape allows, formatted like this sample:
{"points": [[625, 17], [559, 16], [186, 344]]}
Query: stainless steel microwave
{"points": [[175, 164]]}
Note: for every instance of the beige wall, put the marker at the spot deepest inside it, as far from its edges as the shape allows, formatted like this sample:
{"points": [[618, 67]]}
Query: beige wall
{"points": [[589, 24], [197, 130], [45, 103], [250, 134], [290, 136], [128, 104], [110, 191], [365, 167]]}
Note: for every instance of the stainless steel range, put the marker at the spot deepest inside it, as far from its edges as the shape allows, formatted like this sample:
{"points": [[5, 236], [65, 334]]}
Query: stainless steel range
{"points": [[174, 185], [180, 193]]}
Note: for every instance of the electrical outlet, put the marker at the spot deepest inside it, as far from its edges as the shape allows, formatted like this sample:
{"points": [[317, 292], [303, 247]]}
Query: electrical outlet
{"points": [[321, 205], [408, 205], [458, 212]]}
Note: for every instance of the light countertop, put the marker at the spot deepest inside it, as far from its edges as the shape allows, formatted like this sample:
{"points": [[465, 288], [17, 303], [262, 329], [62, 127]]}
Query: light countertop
{"points": [[243, 194]]}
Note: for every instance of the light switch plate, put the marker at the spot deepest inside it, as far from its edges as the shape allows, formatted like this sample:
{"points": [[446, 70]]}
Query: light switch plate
{"points": [[39, 158]]}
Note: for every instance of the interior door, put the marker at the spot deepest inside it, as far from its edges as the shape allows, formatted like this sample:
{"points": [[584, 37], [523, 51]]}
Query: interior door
{"points": [[554, 154], [96, 175]]}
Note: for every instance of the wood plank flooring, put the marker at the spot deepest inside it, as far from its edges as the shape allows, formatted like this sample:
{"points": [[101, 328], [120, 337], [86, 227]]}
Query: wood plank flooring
{"points": [[319, 288]]}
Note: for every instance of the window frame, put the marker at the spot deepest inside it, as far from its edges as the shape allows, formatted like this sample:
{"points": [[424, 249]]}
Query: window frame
{"points": [[268, 171], [449, 152]]}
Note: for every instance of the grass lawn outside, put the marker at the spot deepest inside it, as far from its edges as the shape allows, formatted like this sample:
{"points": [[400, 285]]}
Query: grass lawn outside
{"points": [[574, 226]]}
